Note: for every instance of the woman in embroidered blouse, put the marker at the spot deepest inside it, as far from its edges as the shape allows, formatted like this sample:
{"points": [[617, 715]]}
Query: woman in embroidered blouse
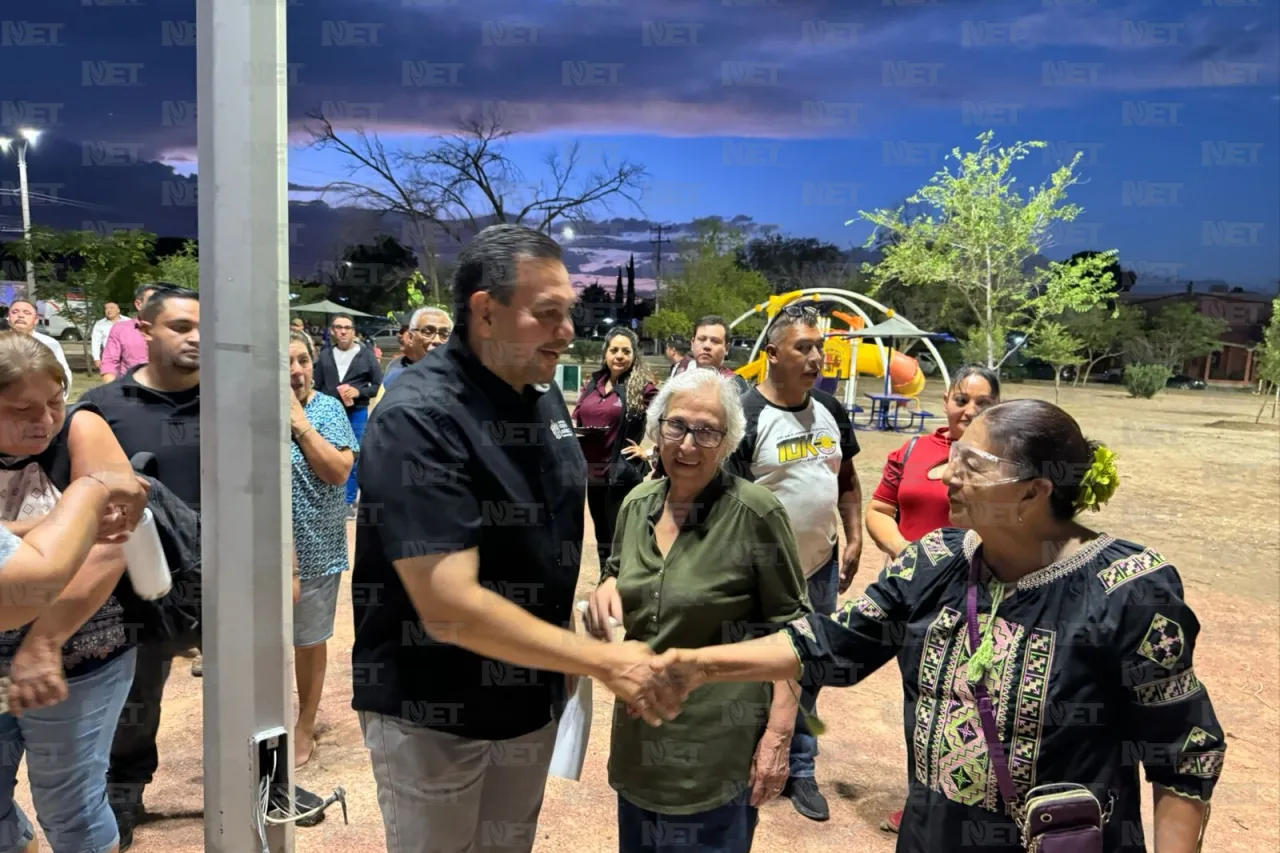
{"points": [[1087, 649], [322, 454], [911, 499], [610, 416], [72, 664]]}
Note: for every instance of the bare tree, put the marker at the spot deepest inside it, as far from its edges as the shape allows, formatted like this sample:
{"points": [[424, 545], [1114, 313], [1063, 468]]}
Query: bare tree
{"points": [[465, 179]]}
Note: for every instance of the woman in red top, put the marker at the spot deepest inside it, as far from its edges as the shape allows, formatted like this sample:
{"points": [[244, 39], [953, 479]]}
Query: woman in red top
{"points": [[610, 417], [911, 499]]}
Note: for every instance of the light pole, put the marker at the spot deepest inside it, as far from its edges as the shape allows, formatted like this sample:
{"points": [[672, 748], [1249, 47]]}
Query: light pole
{"points": [[26, 136]]}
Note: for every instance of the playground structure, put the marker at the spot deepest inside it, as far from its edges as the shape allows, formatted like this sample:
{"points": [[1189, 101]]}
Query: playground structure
{"points": [[846, 356]]}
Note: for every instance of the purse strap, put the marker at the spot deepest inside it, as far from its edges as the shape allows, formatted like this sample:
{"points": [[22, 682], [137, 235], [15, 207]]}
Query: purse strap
{"points": [[995, 749]]}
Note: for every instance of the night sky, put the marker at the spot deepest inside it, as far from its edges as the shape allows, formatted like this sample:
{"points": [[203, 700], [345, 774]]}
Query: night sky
{"points": [[795, 114]]}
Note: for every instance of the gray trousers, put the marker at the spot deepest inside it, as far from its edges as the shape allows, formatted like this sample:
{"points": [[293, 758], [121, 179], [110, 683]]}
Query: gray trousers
{"points": [[440, 793]]}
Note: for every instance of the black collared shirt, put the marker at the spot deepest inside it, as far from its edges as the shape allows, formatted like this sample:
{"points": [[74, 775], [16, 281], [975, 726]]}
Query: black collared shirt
{"points": [[165, 423], [454, 458]]}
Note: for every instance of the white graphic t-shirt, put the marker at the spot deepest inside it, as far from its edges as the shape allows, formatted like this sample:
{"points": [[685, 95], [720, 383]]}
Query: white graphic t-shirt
{"points": [[796, 454]]}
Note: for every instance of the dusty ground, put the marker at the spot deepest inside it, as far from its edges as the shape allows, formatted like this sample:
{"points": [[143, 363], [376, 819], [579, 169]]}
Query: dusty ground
{"points": [[1198, 485]]}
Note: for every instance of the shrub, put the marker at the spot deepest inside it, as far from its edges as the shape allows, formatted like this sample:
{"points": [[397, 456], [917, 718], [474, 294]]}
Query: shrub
{"points": [[1146, 380]]}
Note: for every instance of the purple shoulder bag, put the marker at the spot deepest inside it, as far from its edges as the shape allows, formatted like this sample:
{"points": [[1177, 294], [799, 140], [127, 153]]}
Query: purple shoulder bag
{"points": [[1056, 818]]}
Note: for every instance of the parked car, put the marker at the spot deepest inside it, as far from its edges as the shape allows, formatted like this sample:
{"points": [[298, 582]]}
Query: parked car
{"points": [[59, 327], [1185, 382], [1112, 376], [1036, 369], [385, 338]]}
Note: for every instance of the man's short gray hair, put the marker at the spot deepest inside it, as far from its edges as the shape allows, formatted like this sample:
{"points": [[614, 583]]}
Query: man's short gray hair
{"points": [[424, 311], [696, 379]]}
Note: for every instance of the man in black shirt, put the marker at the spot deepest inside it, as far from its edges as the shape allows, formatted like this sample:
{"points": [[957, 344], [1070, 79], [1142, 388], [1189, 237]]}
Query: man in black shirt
{"points": [[351, 372], [467, 557], [154, 409]]}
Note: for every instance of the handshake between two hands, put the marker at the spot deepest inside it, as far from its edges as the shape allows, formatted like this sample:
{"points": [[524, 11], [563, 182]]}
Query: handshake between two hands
{"points": [[654, 686]]}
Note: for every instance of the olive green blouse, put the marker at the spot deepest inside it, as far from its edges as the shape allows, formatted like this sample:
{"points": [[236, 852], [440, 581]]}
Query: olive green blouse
{"points": [[732, 573]]}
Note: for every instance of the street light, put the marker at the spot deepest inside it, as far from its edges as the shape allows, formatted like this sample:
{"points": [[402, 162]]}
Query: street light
{"points": [[26, 136]]}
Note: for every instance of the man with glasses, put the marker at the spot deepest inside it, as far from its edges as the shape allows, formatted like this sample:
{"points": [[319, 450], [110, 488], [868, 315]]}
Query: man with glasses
{"points": [[350, 372], [800, 445], [428, 329]]}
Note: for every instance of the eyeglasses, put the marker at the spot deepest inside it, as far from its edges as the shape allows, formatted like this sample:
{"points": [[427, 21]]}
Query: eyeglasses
{"points": [[984, 469], [804, 311], [702, 436], [429, 332], [343, 328]]}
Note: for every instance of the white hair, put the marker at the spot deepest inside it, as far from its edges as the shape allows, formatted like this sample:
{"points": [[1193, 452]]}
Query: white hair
{"points": [[696, 379], [427, 309]]}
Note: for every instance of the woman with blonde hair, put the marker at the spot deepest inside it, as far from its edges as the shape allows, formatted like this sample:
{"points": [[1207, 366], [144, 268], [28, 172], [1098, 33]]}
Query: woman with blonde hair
{"points": [[610, 417], [70, 661]]}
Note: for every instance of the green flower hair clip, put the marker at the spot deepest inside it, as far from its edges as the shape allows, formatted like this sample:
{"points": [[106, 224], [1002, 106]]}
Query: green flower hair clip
{"points": [[1099, 482]]}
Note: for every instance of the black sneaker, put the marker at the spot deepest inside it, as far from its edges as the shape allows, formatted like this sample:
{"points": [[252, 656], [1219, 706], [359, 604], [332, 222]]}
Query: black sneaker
{"points": [[808, 800], [127, 817]]}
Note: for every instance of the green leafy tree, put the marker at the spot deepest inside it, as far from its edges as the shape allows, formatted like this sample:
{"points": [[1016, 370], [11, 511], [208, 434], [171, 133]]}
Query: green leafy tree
{"points": [[711, 281], [82, 271], [1267, 359], [587, 352], [1175, 334], [181, 268], [974, 238], [667, 323], [797, 263], [1056, 346], [1103, 333], [630, 312]]}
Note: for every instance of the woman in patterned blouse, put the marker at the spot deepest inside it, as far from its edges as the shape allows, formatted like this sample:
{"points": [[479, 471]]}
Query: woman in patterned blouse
{"points": [[1087, 650], [71, 662], [323, 452]]}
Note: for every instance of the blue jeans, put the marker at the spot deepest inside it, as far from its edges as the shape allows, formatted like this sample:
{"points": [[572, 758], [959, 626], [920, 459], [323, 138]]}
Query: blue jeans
{"points": [[67, 748], [824, 589], [358, 418], [726, 829]]}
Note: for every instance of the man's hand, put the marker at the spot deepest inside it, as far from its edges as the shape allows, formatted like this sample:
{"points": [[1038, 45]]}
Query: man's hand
{"points": [[771, 766], [297, 589], [646, 690], [36, 675], [679, 669], [348, 394], [849, 558], [604, 607]]}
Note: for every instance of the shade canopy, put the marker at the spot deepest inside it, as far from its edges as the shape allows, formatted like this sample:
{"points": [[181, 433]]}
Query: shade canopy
{"points": [[324, 306], [893, 327]]}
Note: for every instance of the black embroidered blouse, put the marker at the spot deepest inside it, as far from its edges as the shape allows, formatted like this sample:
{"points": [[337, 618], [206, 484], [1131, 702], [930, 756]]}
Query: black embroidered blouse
{"points": [[1092, 675]]}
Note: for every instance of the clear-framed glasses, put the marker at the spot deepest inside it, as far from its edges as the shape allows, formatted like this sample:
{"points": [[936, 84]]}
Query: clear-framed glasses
{"points": [[984, 469], [676, 430], [429, 332]]}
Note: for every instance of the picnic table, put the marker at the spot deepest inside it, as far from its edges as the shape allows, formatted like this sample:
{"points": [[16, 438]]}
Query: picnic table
{"points": [[880, 406]]}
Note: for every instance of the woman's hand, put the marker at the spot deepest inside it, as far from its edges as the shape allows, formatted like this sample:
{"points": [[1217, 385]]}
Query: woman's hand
{"points": [[603, 608], [771, 766], [36, 676], [631, 450], [297, 415], [297, 589], [126, 499]]}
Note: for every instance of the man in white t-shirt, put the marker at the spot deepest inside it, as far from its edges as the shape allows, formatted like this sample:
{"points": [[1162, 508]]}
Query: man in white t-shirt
{"points": [[22, 318], [800, 445]]}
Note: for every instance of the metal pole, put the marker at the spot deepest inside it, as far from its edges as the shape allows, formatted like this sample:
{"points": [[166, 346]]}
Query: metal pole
{"points": [[26, 219], [248, 617]]}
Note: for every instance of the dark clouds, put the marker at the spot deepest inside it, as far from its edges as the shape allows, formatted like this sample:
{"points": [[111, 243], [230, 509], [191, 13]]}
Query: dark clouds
{"points": [[124, 71]]}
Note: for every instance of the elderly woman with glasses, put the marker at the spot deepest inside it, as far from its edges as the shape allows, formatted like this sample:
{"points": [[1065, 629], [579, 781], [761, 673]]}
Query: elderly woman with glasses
{"points": [[700, 557], [1034, 652], [428, 328]]}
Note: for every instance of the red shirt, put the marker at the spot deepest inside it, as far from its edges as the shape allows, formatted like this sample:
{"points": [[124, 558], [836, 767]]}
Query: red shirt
{"points": [[602, 414], [922, 503]]}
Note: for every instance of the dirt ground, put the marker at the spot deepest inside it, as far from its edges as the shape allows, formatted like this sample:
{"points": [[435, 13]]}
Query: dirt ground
{"points": [[1198, 484]]}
